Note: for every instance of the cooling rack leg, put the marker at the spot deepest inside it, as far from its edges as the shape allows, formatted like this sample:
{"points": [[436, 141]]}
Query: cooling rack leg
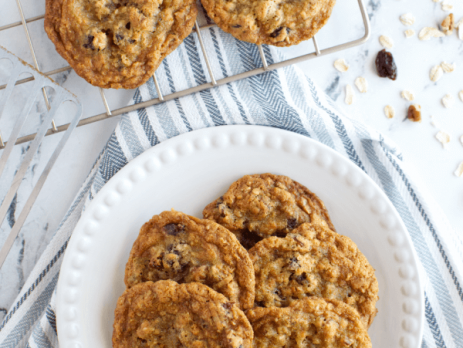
{"points": [[203, 49]]}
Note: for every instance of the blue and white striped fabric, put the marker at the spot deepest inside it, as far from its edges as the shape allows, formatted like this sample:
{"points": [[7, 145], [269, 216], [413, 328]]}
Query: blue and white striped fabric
{"points": [[285, 99]]}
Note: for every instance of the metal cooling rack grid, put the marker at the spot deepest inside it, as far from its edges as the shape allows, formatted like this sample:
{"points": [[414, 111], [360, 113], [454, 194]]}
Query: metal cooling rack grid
{"points": [[163, 98]]}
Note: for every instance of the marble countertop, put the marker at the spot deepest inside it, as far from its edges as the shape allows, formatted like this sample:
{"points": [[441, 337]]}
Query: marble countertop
{"points": [[433, 165]]}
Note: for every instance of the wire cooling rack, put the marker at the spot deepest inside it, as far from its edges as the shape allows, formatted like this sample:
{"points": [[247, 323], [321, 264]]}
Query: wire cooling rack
{"points": [[165, 97]]}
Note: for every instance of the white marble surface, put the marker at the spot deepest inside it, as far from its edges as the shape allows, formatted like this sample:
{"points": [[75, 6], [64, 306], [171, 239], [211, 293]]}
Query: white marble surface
{"points": [[434, 166]]}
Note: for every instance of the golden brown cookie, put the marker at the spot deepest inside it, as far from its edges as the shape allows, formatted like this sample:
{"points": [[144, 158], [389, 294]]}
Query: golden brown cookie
{"points": [[263, 205], [278, 23], [117, 43], [314, 261], [166, 314], [175, 246], [311, 322]]}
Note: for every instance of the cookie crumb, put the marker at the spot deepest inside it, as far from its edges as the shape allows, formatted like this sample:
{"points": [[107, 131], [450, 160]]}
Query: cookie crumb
{"points": [[340, 65], [361, 84], [414, 113], [409, 33], [444, 138], [389, 111], [386, 41], [408, 95], [448, 101], [407, 19], [436, 73], [447, 25], [349, 95], [459, 171], [429, 32]]}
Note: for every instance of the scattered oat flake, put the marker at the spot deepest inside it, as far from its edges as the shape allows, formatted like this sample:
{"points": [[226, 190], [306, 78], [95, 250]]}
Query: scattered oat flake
{"points": [[461, 95], [448, 101], [407, 19], [448, 24], [407, 95], [409, 33], [436, 0], [386, 41], [435, 124], [341, 65], [444, 138], [447, 67], [429, 32], [446, 6], [461, 140], [459, 171], [361, 84], [436, 73], [349, 95], [389, 111]]}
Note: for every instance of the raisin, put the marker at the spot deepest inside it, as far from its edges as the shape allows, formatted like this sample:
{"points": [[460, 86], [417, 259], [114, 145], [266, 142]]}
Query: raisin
{"points": [[127, 26], [119, 37], [89, 43], [385, 65], [260, 303], [280, 234], [173, 229], [291, 223], [131, 41], [414, 113], [248, 239], [276, 32], [236, 26], [228, 305]]}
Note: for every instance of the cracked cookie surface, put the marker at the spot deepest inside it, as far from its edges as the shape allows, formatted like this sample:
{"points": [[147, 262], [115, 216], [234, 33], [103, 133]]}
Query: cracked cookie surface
{"points": [[117, 43], [179, 247], [167, 314], [311, 322], [275, 22], [263, 205], [314, 261]]}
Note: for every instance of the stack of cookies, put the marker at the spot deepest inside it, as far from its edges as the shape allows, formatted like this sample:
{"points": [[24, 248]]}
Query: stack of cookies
{"points": [[264, 268]]}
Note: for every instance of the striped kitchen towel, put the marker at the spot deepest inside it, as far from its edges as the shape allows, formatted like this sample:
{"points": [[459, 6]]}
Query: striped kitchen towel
{"points": [[286, 99]]}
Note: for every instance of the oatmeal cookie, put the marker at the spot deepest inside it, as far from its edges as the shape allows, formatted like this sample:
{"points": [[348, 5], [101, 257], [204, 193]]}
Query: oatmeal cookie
{"points": [[263, 205], [314, 261], [278, 23], [311, 322], [117, 43], [166, 314], [185, 249]]}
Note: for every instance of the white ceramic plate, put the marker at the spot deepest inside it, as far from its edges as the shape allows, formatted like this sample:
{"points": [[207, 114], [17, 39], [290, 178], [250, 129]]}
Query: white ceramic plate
{"points": [[191, 170]]}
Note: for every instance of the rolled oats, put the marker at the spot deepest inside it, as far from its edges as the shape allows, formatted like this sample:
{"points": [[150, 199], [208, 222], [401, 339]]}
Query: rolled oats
{"points": [[446, 6], [408, 95], [429, 32], [447, 24], [459, 26], [409, 33], [340, 65], [436, 73], [435, 124], [461, 140], [361, 84], [459, 171], [447, 67], [448, 101], [461, 95], [349, 95], [389, 111], [407, 19], [444, 138], [386, 41]]}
